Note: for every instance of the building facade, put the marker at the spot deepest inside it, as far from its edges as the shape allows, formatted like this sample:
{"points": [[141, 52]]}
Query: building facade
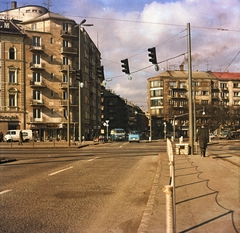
{"points": [[215, 101], [121, 113], [39, 66]]}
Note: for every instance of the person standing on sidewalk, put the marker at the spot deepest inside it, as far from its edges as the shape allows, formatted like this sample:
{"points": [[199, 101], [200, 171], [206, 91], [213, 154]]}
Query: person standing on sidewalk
{"points": [[20, 138], [203, 137]]}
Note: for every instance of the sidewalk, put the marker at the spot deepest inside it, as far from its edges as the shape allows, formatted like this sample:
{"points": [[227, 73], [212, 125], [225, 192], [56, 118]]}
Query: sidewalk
{"points": [[207, 196]]}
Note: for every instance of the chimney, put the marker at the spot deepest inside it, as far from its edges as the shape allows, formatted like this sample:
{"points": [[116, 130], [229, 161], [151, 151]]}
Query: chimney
{"points": [[181, 67], [14, 4]]}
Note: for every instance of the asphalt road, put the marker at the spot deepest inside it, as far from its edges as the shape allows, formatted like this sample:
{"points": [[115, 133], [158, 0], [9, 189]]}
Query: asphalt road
{"points": [[101, 188]]}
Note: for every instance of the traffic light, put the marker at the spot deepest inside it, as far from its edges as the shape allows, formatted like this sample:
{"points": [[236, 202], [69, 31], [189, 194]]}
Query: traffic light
{"points": [[152, 55], [79, 75], [100, 72], [125, 66]]}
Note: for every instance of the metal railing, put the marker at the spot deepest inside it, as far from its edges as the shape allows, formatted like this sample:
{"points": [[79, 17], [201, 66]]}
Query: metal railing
{"points": [[170, 192]]}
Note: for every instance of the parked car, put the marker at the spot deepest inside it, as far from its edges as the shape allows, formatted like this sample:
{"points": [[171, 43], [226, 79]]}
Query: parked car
{"points": [[134, 136], [100, 138], [13, 135], [225, 134]]}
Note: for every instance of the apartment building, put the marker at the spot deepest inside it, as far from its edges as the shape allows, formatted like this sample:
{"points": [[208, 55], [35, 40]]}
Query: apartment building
{"points": [[41, 63], [122, 113], [215, 100]]}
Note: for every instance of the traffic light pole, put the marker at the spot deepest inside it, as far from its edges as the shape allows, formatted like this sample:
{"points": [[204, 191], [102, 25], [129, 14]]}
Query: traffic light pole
{"points": [[190, 101]]}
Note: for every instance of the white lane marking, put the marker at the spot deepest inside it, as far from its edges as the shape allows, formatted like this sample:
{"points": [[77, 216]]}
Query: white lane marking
{"points": [[5, 191], [54, 173], [92, 159]]}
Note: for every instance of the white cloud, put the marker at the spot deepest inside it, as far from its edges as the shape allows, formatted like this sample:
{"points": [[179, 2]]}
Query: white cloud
{"points": [[129, 35]]}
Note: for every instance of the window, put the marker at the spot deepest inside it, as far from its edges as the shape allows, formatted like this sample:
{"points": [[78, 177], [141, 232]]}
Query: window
{"points": [[52, 111], [36, 41], [182, 84], [236, 85], [36, 77], [51, 41], [157, 102], [204, 102], [205, 93], [195, 84], [37, 95], [12, 53], [12, 76], [65, 61], [37, 113], [36, 59], [34, 26], [65, 26], [65, 113], [52, 93], [51, 58], [223, 85], [65, 78], [236, 94], [236, 102], [156, 93], [65, 96], [52, 75], [172, 84], [12, 100], [157, 83], [156, 111], [65, 43]]}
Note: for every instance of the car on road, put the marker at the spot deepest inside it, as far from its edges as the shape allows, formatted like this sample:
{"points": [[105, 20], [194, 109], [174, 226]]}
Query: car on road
{"points": [[225, 134], [117, 134], [134, 136]]}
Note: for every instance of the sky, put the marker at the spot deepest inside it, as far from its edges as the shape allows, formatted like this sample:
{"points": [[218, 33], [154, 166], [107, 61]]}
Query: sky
{"points": [[126, 29]]}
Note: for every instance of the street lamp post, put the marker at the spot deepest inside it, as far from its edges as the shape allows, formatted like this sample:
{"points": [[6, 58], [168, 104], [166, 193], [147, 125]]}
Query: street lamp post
{"points": [[80, 84], [106, 124], [165, 130]]}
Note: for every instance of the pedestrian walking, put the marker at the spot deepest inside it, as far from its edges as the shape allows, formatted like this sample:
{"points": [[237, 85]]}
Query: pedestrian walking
{"points": [[203, 138], [20, 138]]}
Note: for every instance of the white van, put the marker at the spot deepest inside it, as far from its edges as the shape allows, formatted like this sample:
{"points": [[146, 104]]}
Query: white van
{"points": [[13, 135]]}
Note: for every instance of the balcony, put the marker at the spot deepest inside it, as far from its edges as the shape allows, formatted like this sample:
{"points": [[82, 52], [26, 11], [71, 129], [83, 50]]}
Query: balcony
{"points": [[69, 51], [37, 84], [179, 96], [64, 85], [34, 66], [37, 102], [37, 48], [180, 87], [64, 103], [64, 68], [68, 34], [37, 120]]}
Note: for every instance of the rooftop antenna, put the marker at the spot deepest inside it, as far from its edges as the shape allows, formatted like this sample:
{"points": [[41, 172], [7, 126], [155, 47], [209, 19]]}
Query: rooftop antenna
{"points": [[48, 4]]}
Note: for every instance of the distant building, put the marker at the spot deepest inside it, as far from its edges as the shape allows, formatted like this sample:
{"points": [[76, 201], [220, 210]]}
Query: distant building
{"points": [[122, 113], [214, 93]]}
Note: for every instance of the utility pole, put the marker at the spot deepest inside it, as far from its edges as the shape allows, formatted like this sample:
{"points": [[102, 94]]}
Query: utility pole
{"points": [[190, 102], [68, 107]]}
